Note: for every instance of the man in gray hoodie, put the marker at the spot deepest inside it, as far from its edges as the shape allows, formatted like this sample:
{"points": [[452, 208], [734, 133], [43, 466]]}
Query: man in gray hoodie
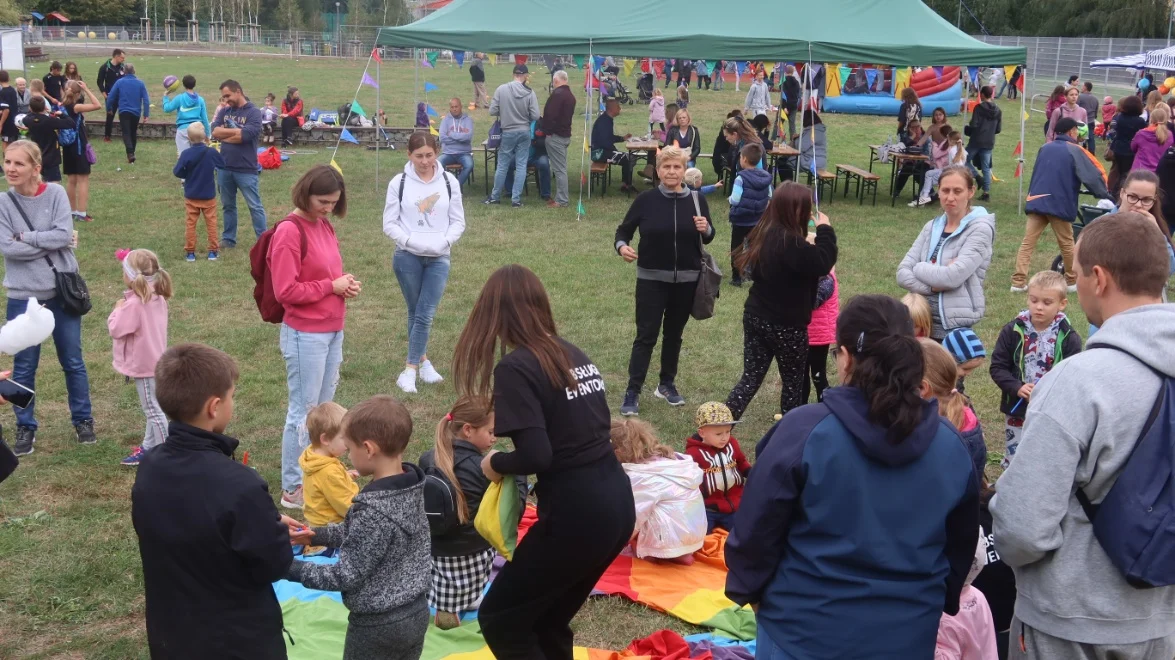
{"points": [[1084, 420], [516, 106]]}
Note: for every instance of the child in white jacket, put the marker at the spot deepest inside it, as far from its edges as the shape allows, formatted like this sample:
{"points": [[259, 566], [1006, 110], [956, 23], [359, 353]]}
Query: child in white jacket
{"points": [[424, 215], [670, 513]]}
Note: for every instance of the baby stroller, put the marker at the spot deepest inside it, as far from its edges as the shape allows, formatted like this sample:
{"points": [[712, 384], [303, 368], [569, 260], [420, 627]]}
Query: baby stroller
{"points": [[644, 87], [1087, 215], [616, 89]]}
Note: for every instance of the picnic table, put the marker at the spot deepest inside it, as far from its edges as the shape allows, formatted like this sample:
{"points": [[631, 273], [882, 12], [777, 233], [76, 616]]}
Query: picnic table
{"points": [[489, 154], [785, 152], [642, 148], [895, 160]]}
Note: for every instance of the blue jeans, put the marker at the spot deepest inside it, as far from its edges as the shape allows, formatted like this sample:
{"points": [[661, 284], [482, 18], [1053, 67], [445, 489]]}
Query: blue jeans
{"points": [[980, 159], [312, 374], [543, 165], [466, 161], [765, 648], [716, 519], [1091, 142], [246, 182], [67, 339], [514, 151], [422, 281]]}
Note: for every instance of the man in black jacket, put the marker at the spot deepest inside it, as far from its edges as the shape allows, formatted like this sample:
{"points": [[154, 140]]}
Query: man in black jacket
{"points": [[108, 74], [791, 101], [985, 125], [211, 540], [557, 116]]}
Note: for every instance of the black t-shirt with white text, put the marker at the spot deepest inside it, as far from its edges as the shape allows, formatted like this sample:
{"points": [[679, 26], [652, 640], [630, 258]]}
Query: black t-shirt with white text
{"points": [[577, 421], [9, 101]]}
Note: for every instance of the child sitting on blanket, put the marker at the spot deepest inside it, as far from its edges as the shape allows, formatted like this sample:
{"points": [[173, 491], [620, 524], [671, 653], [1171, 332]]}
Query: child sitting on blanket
{"points": [[383, 542], [327, 486], [670, 514], [461, 558], [723, 464]]}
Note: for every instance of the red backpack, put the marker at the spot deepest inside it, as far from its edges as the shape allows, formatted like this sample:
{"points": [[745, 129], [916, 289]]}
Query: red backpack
{"points": [[271, 310]]}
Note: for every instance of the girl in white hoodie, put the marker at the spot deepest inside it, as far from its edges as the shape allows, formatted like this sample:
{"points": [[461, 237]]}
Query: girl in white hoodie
{"points": [[425, 217]]}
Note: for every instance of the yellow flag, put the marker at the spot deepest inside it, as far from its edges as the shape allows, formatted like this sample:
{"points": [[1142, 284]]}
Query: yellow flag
{"points": [[586, 148], [336, 166], [629, 65], [1025, 116], [901, 81], [1008, 71], [433, 130], [768, 67], [832, 80]]}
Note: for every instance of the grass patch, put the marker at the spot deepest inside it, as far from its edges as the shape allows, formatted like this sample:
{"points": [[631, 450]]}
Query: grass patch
{"points": [[72, 584]]}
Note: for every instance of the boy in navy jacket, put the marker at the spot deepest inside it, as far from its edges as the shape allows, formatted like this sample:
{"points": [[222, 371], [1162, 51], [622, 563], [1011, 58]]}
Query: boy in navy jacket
{"points": [[197, 167], [749, 195]]}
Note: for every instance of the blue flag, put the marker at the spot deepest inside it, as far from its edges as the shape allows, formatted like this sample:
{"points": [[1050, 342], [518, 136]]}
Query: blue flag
{"points": [[459, 55], [871, 76], [430, 111], [429, 87], [973, 73], [741, 67], [346, 135], [938, 72]]}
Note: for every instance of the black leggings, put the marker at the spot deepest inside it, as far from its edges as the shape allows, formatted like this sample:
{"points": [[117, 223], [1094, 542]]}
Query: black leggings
{"points": [[818, 370], [289, 125], [662, 308], [762, 341], [128, 122], [586, 517], [738, 234]]}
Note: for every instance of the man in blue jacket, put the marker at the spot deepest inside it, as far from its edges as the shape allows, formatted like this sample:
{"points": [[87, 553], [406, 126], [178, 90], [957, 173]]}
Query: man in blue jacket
{"points": [[457, 140], [129, 98], [237, 126], [1062, 166]]}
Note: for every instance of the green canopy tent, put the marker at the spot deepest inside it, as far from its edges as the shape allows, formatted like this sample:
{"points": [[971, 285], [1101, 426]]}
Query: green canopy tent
{"points": [[884, 32]]}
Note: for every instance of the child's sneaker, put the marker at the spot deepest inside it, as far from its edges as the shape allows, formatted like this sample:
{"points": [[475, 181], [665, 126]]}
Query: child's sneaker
{"points": [[133, 459], [190, 257], [292, 499], [213, 255], [429, 374], [407, 381]]}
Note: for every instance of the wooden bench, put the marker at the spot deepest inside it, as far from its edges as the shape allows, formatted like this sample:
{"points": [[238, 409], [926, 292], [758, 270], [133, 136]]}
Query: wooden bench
{"points": [[35, 53], [455, 170], [601, 173], [866, 181], [821, 179]]}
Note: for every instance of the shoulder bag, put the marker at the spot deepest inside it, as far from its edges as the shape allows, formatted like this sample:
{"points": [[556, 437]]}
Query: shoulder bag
{"points": [[70, 287], [709, 277]]}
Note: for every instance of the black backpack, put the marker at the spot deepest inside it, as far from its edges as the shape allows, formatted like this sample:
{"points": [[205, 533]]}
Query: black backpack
{"points": [[440, 502]]}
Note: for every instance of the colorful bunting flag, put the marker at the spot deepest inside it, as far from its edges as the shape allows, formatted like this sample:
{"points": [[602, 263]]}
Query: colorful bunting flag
{"points": [[357, 109], [629, 65], [1019, 149], [1020, 85], [832, 81], [459, 55], [768, 68], [521, 59], [901, 80], [1008, 71], [336, 166], [429, 87], [432, 57], [973, 74], [1019, 169], [375, 55], [586, 148], [347, 137], [425, 63], [938, 72], [433, 129], [597, 61], [646, 65], [871, 77], [659, 67], [845, 72], [578, 59], [367, 80], [428, 108], [741, 67], [579, 208]]}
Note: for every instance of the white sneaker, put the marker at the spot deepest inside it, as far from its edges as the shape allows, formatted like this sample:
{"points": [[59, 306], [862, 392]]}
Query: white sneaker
{"points": [[1072, 288], [915, 203], [429, 374], [407, 381], [923, 201], [1018, 289]]}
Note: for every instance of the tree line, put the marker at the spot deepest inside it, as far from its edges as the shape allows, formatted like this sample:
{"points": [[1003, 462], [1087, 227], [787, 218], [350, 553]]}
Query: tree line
{"points": [[1060, 18]]}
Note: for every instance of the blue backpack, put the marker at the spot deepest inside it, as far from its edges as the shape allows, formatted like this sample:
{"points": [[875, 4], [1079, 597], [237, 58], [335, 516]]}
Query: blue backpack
{"points": [[1135, 522], [69, 136]]}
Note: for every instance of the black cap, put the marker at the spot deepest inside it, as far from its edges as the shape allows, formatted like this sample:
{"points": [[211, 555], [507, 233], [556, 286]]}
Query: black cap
{"points": [[520, 70], [1064, 125]]}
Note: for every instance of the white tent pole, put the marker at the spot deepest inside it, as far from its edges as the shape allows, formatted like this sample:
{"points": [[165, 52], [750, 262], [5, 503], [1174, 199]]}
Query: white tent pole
{"points": [[378, 128], [1023, 112], [587, 113], [816, 181]]}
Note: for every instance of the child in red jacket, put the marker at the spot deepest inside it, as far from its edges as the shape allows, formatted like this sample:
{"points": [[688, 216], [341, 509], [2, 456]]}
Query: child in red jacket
{"points": [[725, 467]]}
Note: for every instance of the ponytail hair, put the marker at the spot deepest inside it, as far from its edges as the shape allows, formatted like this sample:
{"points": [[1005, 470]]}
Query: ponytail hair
{"points": [[887, 362], [147, 277], [474, 411], [941, 375], [1159, 118]]}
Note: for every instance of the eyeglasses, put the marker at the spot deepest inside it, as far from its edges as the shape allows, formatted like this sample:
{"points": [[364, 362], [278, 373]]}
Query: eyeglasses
{"points": [[1131, 198]]}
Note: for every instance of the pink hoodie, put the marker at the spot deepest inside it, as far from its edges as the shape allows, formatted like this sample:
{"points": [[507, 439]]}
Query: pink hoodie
{"points": [[657, 110], [140, 334], [822, 328]]}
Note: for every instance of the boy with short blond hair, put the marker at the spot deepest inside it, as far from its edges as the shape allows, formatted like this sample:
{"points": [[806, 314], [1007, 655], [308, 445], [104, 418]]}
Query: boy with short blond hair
{"points": [[210, 538], [384, 544], [724, 467], [327, 486], [197, 167], [1029, 347]]}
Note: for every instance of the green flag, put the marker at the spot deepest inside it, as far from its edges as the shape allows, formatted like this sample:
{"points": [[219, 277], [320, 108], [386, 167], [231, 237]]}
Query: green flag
{"points": [[578, 61], [358, 109], [432, 57], [579, 208]]}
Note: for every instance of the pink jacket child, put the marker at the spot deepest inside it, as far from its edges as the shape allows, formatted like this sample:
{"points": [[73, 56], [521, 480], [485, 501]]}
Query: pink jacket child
{"points": [[1147, 149], [970, 634], [1109, 109], [822, 328], [657, 110]]}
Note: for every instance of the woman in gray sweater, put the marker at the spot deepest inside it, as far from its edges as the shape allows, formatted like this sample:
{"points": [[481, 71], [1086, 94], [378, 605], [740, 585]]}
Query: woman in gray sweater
{"points": [[36, 237]]}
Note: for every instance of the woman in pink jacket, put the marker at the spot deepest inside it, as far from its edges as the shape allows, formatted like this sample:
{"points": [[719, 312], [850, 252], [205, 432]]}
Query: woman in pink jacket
{"points": [[822, 334], [1152, 142], [138, 326], [1069, 109]]}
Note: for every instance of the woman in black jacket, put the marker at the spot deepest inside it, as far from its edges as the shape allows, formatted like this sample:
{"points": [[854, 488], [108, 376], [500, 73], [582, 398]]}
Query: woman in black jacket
{"points": [[674, 223], [685, 136], [721, 147], [786, 270], [1126, 123]]}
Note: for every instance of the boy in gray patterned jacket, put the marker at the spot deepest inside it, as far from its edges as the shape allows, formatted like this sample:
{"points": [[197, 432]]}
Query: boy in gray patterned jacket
{"points": [[384, 543]]}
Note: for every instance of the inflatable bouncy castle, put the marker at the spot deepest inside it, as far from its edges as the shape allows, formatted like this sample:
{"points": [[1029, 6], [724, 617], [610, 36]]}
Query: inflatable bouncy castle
{"points": [[870, 90]]}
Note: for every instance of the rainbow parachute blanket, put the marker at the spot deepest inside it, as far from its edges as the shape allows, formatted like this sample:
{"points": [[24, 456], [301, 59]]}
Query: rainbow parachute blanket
{"points": [[317, 620]]}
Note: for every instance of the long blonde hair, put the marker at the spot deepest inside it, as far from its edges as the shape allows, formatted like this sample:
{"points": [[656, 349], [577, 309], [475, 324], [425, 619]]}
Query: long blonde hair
{"points": [[1159, 118], [1153, 100], [149, 277], [635, 441], [941, 374], [474, 411]]}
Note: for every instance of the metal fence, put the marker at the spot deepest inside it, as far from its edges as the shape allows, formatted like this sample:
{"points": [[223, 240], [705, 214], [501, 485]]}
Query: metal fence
{"points": [[1051, 60]]}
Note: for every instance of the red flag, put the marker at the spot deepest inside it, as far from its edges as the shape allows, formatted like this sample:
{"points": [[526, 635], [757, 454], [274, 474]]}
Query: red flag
{"points": [[1019, 169], [659, 67], [375, 55], [645, 65], [520, 59], [1019, 149], [1020, 83]]}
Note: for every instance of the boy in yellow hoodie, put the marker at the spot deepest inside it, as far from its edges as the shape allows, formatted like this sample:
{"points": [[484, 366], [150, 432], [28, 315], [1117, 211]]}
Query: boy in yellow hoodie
{"points": [[327, 486]]}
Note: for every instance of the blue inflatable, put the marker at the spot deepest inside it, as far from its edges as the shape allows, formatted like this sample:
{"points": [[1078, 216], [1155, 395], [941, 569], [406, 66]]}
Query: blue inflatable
{"points": [[950, 99]]}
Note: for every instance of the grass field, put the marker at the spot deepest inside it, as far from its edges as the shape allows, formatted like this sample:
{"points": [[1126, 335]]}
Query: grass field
{"points": [[71, 584]]}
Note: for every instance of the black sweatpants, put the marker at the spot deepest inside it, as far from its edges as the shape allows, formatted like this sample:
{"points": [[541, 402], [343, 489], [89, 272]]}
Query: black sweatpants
{"points": [[109, 124], [762, 341], [586, 517], [738, 234], [289, 125], [661, 308], [129, 123], [818, 371]]}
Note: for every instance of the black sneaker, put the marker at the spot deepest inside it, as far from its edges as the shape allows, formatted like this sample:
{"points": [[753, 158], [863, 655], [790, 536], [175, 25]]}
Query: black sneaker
{"points": [[25, 437], [669, 393], [736, 282], [631, 406], [985, 197], [491, 200], [85, 431], [516, 205]]}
